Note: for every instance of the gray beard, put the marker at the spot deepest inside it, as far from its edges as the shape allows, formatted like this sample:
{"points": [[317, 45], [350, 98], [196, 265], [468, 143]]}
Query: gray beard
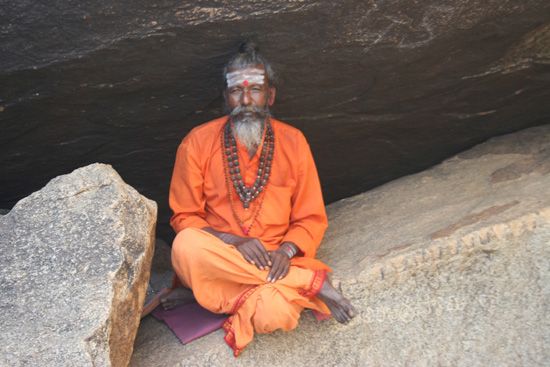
{"points": [[249, 132], [249, 129]]}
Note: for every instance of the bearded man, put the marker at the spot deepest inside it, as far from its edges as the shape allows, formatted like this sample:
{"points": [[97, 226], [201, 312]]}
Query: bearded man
{"points": [[249, 214]]}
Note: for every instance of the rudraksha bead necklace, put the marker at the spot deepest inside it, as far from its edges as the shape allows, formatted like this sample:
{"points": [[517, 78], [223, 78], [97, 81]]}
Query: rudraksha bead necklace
{"points": [[232, 171]]}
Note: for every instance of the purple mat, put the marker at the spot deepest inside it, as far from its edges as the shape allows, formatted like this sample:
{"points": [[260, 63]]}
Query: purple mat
{"points": [[190, 321]]}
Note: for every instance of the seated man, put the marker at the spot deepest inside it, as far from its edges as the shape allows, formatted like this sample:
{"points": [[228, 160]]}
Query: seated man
{"points": [[249, 214]]}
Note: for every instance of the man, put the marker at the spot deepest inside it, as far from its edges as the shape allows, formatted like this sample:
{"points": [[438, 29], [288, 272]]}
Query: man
{"points": [[249, 214]]}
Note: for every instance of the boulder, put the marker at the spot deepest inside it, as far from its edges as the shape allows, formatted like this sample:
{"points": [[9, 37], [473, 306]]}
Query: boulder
{"points": [[447, 267], [74, 268]]}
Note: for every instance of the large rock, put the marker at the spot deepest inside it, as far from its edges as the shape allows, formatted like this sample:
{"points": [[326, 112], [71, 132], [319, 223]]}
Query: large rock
{"points": [[448, 267], [74, 266], [381, 89]]}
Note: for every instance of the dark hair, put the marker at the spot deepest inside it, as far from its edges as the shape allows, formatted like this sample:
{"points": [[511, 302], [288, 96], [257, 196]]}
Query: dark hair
{"points": [[246, 57]]}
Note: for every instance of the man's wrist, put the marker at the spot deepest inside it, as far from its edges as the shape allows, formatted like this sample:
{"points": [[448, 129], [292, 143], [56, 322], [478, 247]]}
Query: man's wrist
{"points": [[223, 236], [289, 249], [226, 237]]}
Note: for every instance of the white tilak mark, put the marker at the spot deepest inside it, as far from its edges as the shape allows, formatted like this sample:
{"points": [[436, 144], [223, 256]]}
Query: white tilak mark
{"points": [[255, 76]]}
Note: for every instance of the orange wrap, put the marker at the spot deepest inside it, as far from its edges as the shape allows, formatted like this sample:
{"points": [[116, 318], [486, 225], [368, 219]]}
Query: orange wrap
{"points": [[292, 209], [223, 282]]}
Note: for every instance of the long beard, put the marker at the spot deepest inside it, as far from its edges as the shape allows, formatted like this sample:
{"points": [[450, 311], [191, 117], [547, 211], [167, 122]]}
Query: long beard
{"points": [[249, 130]]}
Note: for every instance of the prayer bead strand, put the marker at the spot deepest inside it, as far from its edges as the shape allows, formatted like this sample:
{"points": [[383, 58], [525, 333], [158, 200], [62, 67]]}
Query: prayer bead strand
{"points": [[248, 194], [233, 177]]}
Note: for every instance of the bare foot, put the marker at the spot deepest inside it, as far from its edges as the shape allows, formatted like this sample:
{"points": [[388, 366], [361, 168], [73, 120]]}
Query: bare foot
{"points": [[178, 296], [340, 308]]}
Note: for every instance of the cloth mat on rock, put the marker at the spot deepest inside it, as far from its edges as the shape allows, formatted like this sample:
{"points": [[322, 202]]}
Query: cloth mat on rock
{"points": [[190, 321]]}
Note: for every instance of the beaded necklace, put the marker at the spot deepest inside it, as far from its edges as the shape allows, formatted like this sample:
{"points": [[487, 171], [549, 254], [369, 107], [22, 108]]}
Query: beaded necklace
{"points": [[233, 177]]}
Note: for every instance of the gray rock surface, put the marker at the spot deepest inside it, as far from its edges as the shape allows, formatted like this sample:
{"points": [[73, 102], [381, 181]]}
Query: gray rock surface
{"points": [[448, 267], [380, 88], [162, 260], [74, 266]]}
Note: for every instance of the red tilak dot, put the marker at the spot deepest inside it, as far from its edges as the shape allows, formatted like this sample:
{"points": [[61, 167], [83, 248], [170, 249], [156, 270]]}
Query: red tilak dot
{"points": [[245, 83]]}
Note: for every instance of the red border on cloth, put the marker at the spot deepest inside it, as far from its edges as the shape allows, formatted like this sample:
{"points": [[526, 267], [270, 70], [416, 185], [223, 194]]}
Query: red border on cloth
{"points": [[315, 284], [228, 324]]}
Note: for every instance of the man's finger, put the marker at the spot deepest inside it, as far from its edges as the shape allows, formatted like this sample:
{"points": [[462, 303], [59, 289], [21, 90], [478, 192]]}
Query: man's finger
{"points": [[257, 256], [273, 272], [275, 275], [278, 269], [246, 254], [266, 256], [262, 253], [248, 250], [285, 271], [248, 258]]}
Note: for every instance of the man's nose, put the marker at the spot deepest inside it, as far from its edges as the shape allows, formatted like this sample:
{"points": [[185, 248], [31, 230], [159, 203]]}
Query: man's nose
{"points": [[245, 98]]}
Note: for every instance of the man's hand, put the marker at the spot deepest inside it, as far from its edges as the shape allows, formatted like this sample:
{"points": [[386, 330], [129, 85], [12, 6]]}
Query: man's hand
{"points": [[281, 261], [251, 248], [280, 265]]}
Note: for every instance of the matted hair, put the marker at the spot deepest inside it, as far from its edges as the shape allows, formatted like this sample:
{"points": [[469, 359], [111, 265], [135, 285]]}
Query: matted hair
{"points": [[246, 57]]}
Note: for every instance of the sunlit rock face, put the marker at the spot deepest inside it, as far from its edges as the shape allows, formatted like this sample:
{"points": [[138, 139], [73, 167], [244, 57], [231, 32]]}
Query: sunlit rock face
{"points": [[74, 268], [381, 89]]}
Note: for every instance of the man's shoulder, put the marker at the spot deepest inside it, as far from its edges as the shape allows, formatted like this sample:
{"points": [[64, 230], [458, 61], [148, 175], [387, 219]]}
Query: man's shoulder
{"points": [[286, 129], [207, 130]]}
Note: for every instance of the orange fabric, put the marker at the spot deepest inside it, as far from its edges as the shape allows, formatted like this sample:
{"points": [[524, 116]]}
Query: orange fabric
{"points": [[223, 282], [292, 209]]}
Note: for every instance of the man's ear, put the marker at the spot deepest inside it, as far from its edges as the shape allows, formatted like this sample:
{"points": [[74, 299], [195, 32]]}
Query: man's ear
{"points": [[272, 93]]}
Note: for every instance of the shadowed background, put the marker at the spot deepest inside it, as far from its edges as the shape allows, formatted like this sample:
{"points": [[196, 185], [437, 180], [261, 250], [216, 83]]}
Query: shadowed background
{"points": [[381, 89]]}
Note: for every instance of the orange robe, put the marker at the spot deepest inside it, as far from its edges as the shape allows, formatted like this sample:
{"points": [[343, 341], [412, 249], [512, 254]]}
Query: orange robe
{"points": [[292, 209]]}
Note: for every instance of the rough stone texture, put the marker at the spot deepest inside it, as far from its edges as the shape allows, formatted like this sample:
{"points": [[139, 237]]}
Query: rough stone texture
{"points": [[74, 266], [162, 260], [447, 267], [380, 88]]}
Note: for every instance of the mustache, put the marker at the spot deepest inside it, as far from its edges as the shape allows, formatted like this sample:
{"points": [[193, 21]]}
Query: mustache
{"points": [[254, 109]]}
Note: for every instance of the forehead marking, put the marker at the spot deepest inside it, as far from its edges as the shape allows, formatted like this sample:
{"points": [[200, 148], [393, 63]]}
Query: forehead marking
{"points": [[245, 77]]}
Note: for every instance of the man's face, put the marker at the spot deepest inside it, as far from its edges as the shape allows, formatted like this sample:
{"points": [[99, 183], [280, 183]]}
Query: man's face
{"points": [[248, 91]]}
